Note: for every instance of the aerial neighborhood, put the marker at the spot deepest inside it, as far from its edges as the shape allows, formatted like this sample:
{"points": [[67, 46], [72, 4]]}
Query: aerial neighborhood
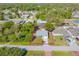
{"points": [[38, 26]]}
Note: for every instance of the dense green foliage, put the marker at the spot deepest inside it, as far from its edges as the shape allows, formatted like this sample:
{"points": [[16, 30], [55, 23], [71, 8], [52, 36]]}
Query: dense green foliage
{"points": [[16, 33], [49, 11], [5, 51], [8, 24], [50, 26], [41, 16]]}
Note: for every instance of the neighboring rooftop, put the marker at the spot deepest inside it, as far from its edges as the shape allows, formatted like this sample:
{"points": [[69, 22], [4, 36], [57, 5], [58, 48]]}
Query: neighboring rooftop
{"points": [[74, 31], [39, 21], [75, 14], [60, 31]]}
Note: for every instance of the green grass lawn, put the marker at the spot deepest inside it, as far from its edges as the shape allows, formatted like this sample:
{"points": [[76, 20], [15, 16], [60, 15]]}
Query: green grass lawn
{"points": [[62, 53], [58, 41], [20, 43], [35, 53], [37, 41]]}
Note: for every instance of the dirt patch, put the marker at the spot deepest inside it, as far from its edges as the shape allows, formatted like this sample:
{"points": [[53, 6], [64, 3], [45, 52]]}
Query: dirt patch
{"points": [[48, 53], [76, 53]]}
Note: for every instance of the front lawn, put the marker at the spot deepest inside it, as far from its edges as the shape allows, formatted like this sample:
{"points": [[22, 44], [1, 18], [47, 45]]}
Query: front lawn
{"points": [[62, 53], [35, 53], [20, 43], [37, 41], [58, 41]]}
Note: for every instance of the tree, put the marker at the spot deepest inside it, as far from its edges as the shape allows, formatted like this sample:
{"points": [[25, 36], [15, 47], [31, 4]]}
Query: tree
{"points": [[6, 31], [1, 17], [5, 51], [50, 26], [29, 28], [12, 37], [41, 16], [26, 32], [8, 24]]}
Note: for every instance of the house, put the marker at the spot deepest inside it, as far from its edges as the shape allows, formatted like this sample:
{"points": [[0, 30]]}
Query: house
{"points": [[26, 14], [43, 34], [6, 11], [41, 23], [17, 21], [68, 21], [71, 22], [68, 33], [21, 21], [19, 11], [60, 31], [34, 12], [74, 31], [75, 14], [29, 20], [6, 17]]}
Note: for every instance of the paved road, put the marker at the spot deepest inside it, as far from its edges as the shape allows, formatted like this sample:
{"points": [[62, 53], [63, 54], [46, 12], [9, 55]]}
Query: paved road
{"points": [[46, 48]]}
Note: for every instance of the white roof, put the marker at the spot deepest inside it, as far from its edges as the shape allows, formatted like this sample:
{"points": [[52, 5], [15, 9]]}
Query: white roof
{"points": [[41, 21]]}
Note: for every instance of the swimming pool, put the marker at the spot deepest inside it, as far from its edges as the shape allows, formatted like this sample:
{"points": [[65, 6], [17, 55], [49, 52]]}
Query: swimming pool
{"points": [[76, 21]]}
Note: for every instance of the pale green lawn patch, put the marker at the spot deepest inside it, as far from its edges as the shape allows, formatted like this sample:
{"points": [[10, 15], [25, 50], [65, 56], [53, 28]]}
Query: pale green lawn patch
{"points": [[62, 53], [35, 53]]}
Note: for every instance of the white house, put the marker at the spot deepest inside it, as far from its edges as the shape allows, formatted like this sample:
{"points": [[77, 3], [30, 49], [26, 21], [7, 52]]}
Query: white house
{"points": [[39, 21], [43, 34], [75, 14], [34, 12], [24, 14], [6, 11]]}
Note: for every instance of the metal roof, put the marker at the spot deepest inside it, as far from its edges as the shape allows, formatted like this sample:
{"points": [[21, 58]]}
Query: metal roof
{"points": [[42, 33]]}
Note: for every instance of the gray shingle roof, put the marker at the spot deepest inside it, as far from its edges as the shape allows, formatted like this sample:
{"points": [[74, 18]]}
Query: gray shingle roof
{"points": [[75, 14], [61, 30], [74, 31]]}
